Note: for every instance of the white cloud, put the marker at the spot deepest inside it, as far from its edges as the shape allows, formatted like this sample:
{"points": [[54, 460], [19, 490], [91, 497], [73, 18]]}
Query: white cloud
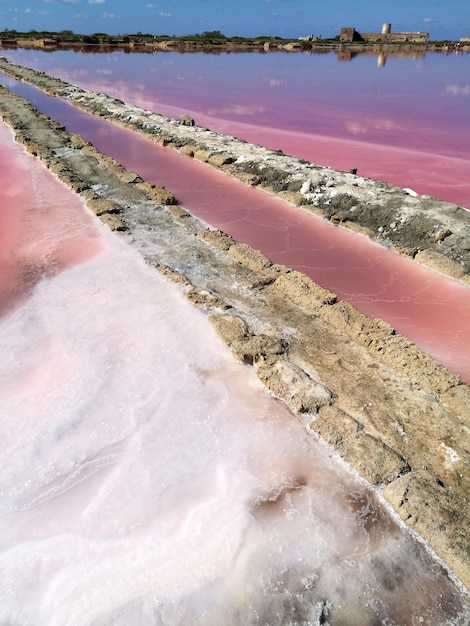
{"points": [[29, 12], [237, 109], [274, 82], [61, 1], [96, 1], [163, 14], [365, 125], [458, 90]]}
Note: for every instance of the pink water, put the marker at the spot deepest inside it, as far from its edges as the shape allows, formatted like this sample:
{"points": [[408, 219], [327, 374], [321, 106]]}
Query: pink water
{"points": [[146, 478], [407, 123], [431, 310], [37, 239]]}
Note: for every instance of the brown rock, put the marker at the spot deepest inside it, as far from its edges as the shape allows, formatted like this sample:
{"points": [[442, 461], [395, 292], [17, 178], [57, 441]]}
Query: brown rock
{"points": [[103, 205], [439, 262], [186, 120], [129, 177], [303, 291], [178, 211], [347, 319], [216, 238], [173, 275], [367, 454], [159, 193], [218, 160], [188, 150], [293, 385], [252, 259], [112, 221], [230, 328], [293, 197], [436, 512], [205, 299], [202, 155], [250, 348]]}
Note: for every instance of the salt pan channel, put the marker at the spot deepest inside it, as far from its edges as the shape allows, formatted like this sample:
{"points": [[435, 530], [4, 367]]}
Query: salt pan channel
{"points": [[431, 310], [146, 478]]}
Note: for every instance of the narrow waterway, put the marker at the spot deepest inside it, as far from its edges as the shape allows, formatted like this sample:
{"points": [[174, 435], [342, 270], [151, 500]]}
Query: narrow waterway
{"points": [[429, 309], [146, 478]]}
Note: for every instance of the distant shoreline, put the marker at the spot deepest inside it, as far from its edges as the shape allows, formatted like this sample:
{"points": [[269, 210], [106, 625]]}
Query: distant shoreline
{"points": [[202, 43]]}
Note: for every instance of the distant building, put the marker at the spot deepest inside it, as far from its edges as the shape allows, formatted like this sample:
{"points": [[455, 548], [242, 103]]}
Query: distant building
{"points": [[349, 34], [8, 43], [37, 43], [47, 43], [386, 36]]}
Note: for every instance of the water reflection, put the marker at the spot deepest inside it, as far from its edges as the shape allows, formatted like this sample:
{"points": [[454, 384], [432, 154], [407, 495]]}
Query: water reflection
{"points": [[348, 54]]}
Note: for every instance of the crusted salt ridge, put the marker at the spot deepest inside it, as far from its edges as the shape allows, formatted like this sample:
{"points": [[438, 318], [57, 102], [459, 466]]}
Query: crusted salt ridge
{"points": [[384, 405], [432, 231]]}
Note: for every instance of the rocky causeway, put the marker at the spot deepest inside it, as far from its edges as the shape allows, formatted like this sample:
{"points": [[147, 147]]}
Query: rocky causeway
{"points": [[396, 416]]}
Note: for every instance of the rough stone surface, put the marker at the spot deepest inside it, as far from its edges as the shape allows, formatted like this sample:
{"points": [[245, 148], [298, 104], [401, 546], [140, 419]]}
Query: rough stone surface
{"points": [[158, 193], [250, 349], [206, 300], [303, 291], [217, 238], [112, 221], [186, 120], [376, 462], [293, 385], [102, 205], [435, 510], [441, 263], [252, 259], [230, 328], [399, 418]]}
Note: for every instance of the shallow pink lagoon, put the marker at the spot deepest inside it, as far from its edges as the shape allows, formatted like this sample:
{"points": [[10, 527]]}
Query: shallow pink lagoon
{"points": [[407, 123], [36, 239], [146, 478]]}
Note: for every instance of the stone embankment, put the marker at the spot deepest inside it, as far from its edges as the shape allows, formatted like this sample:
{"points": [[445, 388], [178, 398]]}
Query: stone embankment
{"points": [[396, 416], [433, 232]]}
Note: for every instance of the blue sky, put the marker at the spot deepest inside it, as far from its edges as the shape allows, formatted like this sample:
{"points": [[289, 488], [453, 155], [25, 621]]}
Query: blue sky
{"points": [[444, 19]]}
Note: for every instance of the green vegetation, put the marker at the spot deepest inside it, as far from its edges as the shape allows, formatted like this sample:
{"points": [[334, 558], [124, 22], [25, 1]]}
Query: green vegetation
{"points": [[212, 38], [68, 36]]}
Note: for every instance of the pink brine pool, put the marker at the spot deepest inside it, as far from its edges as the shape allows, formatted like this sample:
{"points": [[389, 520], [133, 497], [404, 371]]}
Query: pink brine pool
{"points": [[407, 122], [43, 227]]}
